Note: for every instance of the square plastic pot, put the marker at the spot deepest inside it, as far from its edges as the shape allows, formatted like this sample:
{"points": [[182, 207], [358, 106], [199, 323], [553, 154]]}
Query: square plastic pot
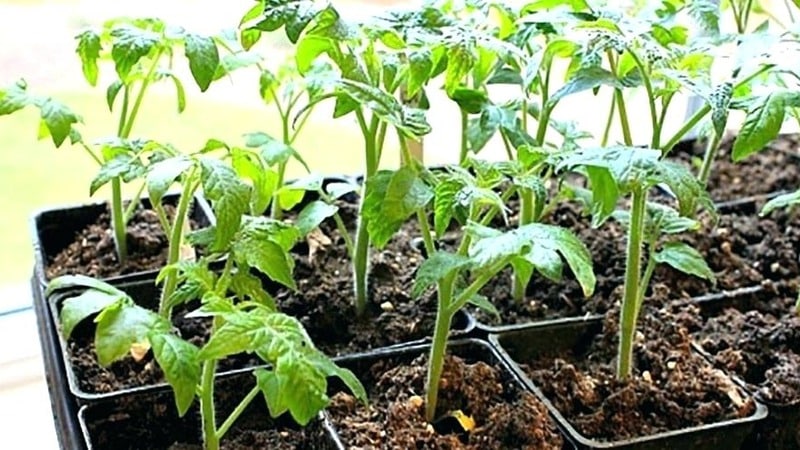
{"points": [[525, 344], [149, 419], [54, 229], [471, 350]]}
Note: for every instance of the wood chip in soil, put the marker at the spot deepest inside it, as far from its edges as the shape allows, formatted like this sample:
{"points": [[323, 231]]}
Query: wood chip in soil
{"points": [[505, 417]]}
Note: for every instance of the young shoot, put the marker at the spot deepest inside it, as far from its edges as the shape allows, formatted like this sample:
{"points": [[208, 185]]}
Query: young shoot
{"points": [[481, 253], [615, 172], [142, 52]]}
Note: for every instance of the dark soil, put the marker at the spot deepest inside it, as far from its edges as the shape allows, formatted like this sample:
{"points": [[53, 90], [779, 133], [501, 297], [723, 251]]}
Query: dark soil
{"points": [[776, 168], [324, 300], [93, 253], [742, 249], [671, 387], [151, 423], [505, 417]]}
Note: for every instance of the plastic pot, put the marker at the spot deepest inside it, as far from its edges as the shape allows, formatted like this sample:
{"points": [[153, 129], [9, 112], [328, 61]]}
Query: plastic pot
{"points": [[64, 407], [781, 429], [54, 229], [471, 350], [526, 344], [149, 419]]}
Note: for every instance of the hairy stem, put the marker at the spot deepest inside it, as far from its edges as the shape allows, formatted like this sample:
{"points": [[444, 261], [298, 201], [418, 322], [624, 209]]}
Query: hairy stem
{"points": [[708, 158], [175, 242], [207, 410], [361, 256], [609, 121], [438, 350], [462, 156], [633, 263]]}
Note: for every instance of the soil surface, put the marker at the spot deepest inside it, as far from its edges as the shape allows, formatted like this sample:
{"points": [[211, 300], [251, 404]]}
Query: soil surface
{"points": [[671, 386], [94, 254], [741, 248], [151, 423], [505, 417], [754, 175]]}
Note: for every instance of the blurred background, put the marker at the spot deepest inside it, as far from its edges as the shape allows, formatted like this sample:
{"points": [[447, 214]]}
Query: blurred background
{"points": [[37, 45]]}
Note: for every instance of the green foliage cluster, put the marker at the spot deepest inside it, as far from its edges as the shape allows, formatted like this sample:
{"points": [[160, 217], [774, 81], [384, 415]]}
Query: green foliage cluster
{"points": [[380, 73]]}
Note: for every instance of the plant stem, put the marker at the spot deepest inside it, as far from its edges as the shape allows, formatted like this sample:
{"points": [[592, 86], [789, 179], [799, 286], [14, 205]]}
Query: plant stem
{"points": [[277, 211], [140, 97], [425, 230], [175, 241], [207, 412], [525, 217], [436, 360], [361, 257], [134, 203], [348, 241], [118, 220], [633, 262], [462, 157], [708, 158], [226, 425], [609, 121], [648, 274]]}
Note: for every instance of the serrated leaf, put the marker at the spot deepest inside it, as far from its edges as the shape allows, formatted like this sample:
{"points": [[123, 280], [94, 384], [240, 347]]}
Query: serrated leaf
{"points": [[685, 259], [121, 326], [435, 268], [706, 14], [246, 285], [470, 100], [126, 166], [162, 174], [411, 121], [391, 197], [129, 45], [420, 66], [584, 79], [13, 98], [230, 199], [89, 51], [263, 244], [294, 15], [203, 58], [313, 215], [235, 61], [76, 309], [271, 334], [781, 201], [58, 119], [763, 122], [444, 202], [627, 165], [533, 239], [689, 192], [264, 180], [178, 359]]}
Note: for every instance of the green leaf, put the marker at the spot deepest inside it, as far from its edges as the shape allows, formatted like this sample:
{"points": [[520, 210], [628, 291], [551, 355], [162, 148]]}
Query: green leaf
{"points": [[535, 240], [313, 215], [435, 268], [265, 181], [76, 309], [89, 51], [408, 120], [235, 61], [470, 100], [689, 192], [685, 259], [763, 122], [781, 201], [58, 119], [420, 66], [121, 326], [180, 92], [229, 196], [706, 13], [583, 79], [72, 281], [161, 175], [112, 92], [203, 58], [293, 15], [259, 245], [627, 165], [129, 45], [444, 204], [720, 100], [123, 165], [178, 359], [13, 98], [246, 285], [483, 303], [271, 334], [391, 197]]}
